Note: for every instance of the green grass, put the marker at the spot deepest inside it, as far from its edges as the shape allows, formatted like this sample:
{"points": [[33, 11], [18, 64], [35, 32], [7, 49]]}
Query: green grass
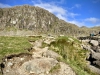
{"points": [[72, 54], [55, 68], [13, 45], [69, 50]]}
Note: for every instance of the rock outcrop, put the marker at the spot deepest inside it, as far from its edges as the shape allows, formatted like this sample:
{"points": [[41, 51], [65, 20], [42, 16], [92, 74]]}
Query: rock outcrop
{"points": [[29, 20], [94, 55]]}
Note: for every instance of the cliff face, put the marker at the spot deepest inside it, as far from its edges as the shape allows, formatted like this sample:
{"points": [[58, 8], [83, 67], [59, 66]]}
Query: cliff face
{"points": [[26, 17], [35, 19]]}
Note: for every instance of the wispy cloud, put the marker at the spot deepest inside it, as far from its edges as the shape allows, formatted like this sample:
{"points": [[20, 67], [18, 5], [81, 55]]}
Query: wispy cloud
{"points": [[78, 5], [4, 5], [60, 12], [71, 14], [92, 20], [77, 23], [96, 1], [97, 25]]}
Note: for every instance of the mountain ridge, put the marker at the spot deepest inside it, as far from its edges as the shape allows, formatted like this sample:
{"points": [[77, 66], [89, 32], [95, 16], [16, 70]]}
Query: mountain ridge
{"points": [[37, 20]]}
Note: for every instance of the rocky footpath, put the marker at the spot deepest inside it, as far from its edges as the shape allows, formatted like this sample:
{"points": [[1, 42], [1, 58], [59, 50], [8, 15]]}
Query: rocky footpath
{"points": [[40, 61], [93, 46]]}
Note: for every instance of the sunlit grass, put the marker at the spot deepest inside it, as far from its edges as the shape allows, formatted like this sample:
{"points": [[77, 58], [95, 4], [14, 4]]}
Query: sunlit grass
{"points": [[13, 45], [72, 54]]}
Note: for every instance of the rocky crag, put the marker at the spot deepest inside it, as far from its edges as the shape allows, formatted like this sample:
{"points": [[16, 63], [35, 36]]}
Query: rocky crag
{"points": [[93, 57], [29, 20]]}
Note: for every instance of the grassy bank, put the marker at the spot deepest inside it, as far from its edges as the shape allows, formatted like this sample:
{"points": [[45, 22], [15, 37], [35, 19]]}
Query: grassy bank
{"points": [[68, 47], [14, 45], [72, 54]]}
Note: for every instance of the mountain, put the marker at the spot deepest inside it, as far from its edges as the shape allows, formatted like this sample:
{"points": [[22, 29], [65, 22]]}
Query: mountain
{"points": [[26, 18]]}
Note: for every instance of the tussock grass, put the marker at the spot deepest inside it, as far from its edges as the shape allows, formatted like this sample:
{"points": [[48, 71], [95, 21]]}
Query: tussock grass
{"points": [[72, 54]]}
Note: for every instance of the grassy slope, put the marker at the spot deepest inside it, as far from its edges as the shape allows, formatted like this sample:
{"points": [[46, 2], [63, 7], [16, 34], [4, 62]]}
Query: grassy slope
{"points": [[72, 54], [69, 50], [12, 45]]}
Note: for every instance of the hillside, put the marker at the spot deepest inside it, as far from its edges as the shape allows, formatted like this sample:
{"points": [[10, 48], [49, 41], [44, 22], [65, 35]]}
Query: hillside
{"points": [[29, 20], [33, 45], [42, 56]]}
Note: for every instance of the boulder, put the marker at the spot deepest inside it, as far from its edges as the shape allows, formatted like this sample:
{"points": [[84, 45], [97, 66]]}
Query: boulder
{"points": [[50, 54], [95, 55], [97, 63], [28, 65], [94, 43], [94, 48], [98, 49]]}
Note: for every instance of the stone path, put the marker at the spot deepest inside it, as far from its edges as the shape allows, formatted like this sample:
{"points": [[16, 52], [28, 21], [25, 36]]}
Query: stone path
{"points": [[41, 61]]}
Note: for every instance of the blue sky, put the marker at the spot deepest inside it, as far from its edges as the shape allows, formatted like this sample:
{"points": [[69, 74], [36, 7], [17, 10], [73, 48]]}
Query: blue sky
{"points": [[79, 12]]}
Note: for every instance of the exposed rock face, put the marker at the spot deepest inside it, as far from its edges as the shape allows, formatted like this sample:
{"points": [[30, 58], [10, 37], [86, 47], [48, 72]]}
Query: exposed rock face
{"points": [[94, 55], [94, 42], [32, 18], [35, 19]]}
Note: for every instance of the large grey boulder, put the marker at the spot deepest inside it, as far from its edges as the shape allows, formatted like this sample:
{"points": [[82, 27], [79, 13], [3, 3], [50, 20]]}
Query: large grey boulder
{"points": [[94, 42], [96, 55]]}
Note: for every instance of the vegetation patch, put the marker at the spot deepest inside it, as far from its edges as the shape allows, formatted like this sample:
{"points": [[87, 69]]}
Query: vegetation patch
{"points": [[13, 45], [72, 54], [55, 68]]}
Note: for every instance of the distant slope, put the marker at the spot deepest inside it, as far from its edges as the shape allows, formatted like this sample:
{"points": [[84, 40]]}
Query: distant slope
{"points": [[37, 20]]}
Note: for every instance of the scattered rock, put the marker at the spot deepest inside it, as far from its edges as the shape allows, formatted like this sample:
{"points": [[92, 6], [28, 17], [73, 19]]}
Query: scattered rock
{"points": [[97, 63], [94, 42], [96, 55], [40, 62]]}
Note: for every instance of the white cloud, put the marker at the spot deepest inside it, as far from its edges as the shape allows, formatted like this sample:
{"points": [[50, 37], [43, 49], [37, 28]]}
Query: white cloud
{"points": [[97, 25], [73, 14], [52, 8], [57, 10], [92, 20], [60, 12], [4, 5], [96, 1], [77, 23], [77, 5], [61, 17], [65, 14]]}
